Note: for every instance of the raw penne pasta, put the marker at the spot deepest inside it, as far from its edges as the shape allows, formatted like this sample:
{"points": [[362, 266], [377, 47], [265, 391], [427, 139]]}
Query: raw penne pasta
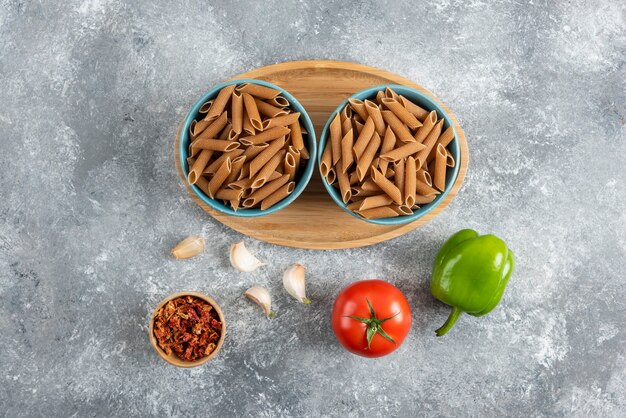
{"points": [[370, 185], [259, 91], [304, 153], [190, 161], [386, 186], [214, 128], [235, 203], [212, 168], [429, 143], [266, 171], [354, 205], [199, 126], [424, 200], [364, 138], [220, 176], [359, 108], [403, 210], [379, 96], [259, 194], [326, 162], [214, 145], [388, 144], [374, 112], [275, 175], [241, 184], [401, 113], [439, 181], [269, 110], [236, 112], [203, 184], [247, 125], [254, 150], [278, 195], [410, 179], [398, 168], [296, 136], [375, 202], [344, 183], [414, 109], [390, 94], [424, 176], [360, 193], [198, 167], [347, 158], [345, 114], [289, 164], [444, 139], [265, 136], [220, 102], [424, 189], [399, 128], [331, 176], [260, 160], [364, 163], [225, 132], [404, 151], [232, 136], [252, 111], [346, 126], [279, 101], [228, 194], [283, 120], [424, 130], [236, 165], [449, 159], [204, 109], [335, 138], [358, 126], [378, 213]]}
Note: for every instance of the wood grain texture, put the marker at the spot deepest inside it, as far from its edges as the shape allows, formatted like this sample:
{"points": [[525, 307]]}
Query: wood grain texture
{"points": [[313, 220]]}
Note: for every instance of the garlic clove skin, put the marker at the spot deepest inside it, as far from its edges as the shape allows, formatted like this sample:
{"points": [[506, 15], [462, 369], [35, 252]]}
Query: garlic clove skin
{"points": [[294, 282], [261, 297], [189, 247], [242, 259]]}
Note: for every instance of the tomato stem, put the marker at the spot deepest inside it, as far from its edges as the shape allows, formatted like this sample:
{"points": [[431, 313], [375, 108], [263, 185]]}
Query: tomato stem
{"points": [[374, 325]]}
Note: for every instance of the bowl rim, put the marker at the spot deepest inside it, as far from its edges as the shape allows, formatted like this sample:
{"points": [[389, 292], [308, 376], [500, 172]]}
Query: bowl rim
{"points": [[433, 105], [301, 184], [173, 359]]}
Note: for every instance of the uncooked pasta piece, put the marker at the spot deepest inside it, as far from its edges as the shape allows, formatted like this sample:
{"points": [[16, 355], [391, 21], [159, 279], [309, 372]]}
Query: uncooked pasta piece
{"points": [[399, 128], [326, 162], [359, 108], [401, 113], [220, 102], [374, 112], [398, 168], [417, 111], [269, 110], [259, 91], [296, 136], [278, 195], [228, 194], [375, 202], [404, 151], [364, 163], [364, 138], [265, 136], [335, 138], [214, 145], [386, 186], [424, 130], [344, 184], [252, 111], [439, 181], [283, 120], [198, 167], [378, 213], [265, 172], [347, 158], [220, 176], [409, 182], [236, 112], [260, 160], [429, 143]]}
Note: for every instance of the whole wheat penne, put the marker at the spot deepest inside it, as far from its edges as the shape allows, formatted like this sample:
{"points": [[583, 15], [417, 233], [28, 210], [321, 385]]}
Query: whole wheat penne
{"points": [[241, 184], [410, 178], [235, 203], [424, 189], [398, 127], [398, 168], [289, 165], [417, 111], [358, 126], [199, 165], [326, 161], [449, 159], [236, 112], [391, 94], [370, 185], [198, 126], [359, 108], [347, 158], [214, 128], [364, 138], [297, 155], [403, 210], [233, 136], [386, 186], [278, 101], [364, 163], [331, 176], [247, 125], [228, 194], [264, 173], [204, 109], [220, 176], [380, 96], [359, 192], [275, 175], [354, 204], [375, 202], [335, 138], [296, 135], [215, 145], [225, 132], [429, 143], [212, 168], [270, 187], [304, 154], [190, 161], [424, 130], [424, 176], [444, 139], [440, 167], [283, 120], [344, 183], [265, 136], [374, 112], [404, 151], [278, 195], [345, 113], [252, 111], [378, 213], [259, 91], [260, 160], [254, 150], [423, 200], [388, 144], [220, 102], [401, 113], [236, 165], [269, 110], [203, 184]]}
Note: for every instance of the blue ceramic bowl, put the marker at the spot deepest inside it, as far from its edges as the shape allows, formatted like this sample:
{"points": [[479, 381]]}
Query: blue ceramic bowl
{"points": [[183, 148], [423, 101]]}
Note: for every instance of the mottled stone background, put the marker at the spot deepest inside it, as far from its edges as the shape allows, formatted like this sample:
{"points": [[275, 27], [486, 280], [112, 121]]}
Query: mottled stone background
{"points": [[90, 99]]}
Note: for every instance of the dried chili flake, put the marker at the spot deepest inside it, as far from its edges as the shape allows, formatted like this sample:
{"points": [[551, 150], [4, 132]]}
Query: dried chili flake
{"points": [[188, 327]]}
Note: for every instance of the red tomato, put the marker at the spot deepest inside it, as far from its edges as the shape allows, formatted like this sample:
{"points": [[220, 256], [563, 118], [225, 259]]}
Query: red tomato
{"points": [[374, 310]]}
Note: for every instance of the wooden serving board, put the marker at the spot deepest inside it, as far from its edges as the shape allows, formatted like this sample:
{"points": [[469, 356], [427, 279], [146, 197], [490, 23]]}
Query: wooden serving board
{"points": [[313, 220]]}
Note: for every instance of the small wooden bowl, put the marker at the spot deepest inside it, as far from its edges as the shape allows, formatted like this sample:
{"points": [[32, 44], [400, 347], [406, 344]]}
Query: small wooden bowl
{"points": [[173, 359]]}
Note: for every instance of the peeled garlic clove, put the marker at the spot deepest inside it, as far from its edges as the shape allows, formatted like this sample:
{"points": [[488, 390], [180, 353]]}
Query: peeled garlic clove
{"points": [[293, 280], [242, 260], [261, 297], [189, 247]]}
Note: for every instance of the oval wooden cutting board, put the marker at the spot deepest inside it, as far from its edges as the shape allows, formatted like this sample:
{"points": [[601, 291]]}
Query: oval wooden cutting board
{"points": [[313, 220]]}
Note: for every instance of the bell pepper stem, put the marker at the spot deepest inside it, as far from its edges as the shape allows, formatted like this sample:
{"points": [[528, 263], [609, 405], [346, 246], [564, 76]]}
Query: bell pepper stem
{"points": [[454, 315]]}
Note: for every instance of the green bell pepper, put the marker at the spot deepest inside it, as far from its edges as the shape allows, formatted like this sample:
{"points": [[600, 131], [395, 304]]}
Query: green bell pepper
{"points": [[470, 273]]}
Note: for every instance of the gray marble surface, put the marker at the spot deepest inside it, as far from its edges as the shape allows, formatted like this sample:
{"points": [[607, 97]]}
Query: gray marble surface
{"points": [[90, 99]]}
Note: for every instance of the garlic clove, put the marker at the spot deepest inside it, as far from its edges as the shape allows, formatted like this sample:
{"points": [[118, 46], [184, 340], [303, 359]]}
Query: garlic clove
{"points": [[189, 247], [261, 297], [242, 260], [294, 282]]}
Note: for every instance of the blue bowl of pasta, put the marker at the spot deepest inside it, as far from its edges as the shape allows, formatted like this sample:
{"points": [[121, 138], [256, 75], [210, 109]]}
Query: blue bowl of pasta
{"points": [[372, 143], [247, 148]]}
